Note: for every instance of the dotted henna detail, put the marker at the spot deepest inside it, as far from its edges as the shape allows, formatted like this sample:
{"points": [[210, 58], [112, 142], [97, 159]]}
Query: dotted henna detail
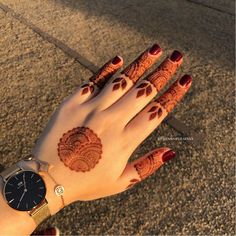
{"points": [[103, 74], [156, 112], [119, 83], [132, 183], [137, 68], [171, 97], [162, 74], [144, 89], [80, 149], [150, 164], [87, 88]]}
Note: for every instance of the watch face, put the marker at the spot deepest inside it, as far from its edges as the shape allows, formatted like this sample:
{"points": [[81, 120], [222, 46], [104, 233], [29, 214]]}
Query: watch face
{"points": [[25, 190]]}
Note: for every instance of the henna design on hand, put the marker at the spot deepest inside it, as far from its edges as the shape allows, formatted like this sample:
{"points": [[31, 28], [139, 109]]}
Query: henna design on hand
{"points": [[144, 88], [149, 164], [80, 149], [119, 82], [87, 88], [174, 94], [155, 112], [103, 74], [162, 74], [132, 183], [136, 69]]}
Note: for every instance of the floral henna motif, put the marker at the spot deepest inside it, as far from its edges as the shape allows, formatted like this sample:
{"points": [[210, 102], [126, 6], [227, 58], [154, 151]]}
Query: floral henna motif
{"points": [[144, 89], [80, 149], [155, 112], [162, 74], [87, 88], [172, 96], [132, 183], [150, 164], [119, 83], [136, 69], [101, 77]]}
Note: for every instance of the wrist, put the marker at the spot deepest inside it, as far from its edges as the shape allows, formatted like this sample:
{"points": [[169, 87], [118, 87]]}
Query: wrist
{"points": [[25, 221], [13, 221], [55, 203]]}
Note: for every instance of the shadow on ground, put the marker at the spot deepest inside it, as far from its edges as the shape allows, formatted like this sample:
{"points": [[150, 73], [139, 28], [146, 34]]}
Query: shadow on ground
{"points": [[208, 33]]}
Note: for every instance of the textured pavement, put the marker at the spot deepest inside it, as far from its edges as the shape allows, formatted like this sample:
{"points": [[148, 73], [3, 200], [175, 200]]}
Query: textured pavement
{"points": [[193, 194]]}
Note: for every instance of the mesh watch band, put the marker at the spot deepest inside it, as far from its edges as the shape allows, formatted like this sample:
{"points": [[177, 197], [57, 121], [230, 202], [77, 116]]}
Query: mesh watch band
{"points": [[40, 213]]}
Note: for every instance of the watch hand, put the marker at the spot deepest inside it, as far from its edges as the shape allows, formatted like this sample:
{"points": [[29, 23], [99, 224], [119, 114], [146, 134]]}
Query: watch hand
{"points": [[24, 180], [21, 198]]}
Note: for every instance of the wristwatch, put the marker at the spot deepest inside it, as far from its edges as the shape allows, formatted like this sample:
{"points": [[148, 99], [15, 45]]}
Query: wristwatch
{"points": [[25, 190]]}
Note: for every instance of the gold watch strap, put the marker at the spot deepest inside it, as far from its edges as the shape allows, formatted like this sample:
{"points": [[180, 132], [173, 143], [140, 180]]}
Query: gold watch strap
{"points": [[41, 212]]}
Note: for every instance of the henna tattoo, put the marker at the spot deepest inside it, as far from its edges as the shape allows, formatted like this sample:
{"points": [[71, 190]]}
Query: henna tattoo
{"points": [[155, 112], [172, 96], [149, 164], [80, 149], [119, 82], [87, 88], [162, 74], [137, 68], [144, 88], [103, 74], [132, 183]]}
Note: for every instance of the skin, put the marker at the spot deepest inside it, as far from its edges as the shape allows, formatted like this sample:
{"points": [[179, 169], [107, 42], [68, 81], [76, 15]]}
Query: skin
{"points": [[91, 136]]}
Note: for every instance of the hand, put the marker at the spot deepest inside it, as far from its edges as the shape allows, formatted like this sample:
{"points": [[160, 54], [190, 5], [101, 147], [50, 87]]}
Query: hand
{"points": [[91, 136]]}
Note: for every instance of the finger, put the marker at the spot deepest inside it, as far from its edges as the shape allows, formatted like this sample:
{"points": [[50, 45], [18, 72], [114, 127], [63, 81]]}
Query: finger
{"points": [[90, 89], [128, 77], [143, 167], [140, 95], [101, 77], [154, 113]]}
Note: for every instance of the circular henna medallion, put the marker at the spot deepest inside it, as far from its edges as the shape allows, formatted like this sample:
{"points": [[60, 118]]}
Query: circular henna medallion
{"points": [[80, 149]]}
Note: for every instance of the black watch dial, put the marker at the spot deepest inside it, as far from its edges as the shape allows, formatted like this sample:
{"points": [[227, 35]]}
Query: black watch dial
{"points": [[25, 190]]}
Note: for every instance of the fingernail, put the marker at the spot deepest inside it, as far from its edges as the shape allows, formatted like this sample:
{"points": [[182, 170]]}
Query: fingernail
{"points": [[176, 56], [185, 80], [155, 49], [116, 60], [168, 155]]}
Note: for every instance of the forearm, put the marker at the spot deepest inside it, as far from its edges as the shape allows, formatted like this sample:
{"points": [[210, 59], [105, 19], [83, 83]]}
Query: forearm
{"points": [[14, 222]]}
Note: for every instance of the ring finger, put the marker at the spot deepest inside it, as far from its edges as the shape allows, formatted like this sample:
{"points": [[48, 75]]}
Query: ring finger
{"points": [[154, 113], [139, 96]]}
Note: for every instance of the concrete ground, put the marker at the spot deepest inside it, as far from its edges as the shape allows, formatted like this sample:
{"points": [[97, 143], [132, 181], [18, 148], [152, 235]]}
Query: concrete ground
{"points": [[193, 194]]}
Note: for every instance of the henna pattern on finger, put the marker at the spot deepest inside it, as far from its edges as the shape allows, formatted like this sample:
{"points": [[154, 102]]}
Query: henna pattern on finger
{"points": [[162, 74], [144, 89], [174, 94], [137, 68], [103, 74], [87, 88], [119, 83], [80, 149], [149, 164], [155, 111], [132, 183]]}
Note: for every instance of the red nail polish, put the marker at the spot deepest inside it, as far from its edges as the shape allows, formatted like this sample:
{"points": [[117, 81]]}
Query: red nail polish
{"points": [[155, 49], [116, 60], [176, 56], [168, 155], [185, 80]]}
